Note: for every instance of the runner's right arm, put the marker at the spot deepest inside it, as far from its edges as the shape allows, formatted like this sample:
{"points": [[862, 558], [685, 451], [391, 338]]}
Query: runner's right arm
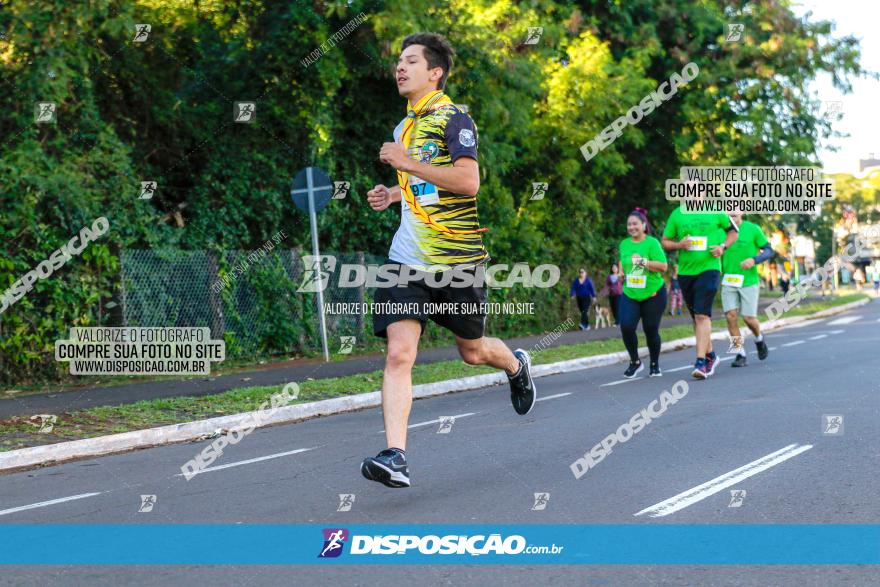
{"points": [[380, 197]]}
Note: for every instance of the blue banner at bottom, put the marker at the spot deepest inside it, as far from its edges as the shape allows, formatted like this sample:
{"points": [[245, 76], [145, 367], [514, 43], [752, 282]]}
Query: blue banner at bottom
{"points": [[220, 544]]}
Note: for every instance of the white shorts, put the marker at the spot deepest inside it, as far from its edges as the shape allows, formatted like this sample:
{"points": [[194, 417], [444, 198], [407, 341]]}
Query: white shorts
{"points": [[742, 299]]}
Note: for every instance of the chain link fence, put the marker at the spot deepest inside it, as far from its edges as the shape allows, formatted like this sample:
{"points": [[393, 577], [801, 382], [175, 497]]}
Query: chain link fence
{"points": [[249, 298]]}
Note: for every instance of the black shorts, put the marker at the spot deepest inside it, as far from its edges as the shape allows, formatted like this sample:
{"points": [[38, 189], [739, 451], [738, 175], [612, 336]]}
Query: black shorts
{"points": [[699, 291], [464, 312]]}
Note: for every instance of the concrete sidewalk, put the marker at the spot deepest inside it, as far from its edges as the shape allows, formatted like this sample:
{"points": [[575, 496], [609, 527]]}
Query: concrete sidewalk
{"points": [[275, 374]]}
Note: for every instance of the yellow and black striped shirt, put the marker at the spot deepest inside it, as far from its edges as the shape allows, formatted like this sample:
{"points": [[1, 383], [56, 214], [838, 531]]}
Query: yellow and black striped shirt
{"points": [[440, 137]]}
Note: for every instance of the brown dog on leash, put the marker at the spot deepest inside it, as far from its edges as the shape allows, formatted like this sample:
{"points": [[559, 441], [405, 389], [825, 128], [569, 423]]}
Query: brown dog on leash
{"points": [[603, 317]]}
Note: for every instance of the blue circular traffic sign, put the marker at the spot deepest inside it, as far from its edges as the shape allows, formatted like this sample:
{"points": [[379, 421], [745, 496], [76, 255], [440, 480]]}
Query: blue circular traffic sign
{"points": [[314, 180]]}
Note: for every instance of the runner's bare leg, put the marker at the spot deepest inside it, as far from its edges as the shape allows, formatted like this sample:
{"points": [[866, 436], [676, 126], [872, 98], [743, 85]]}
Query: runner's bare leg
{"points": [[753, 324], [732, 326], [703, 333], [487, 351], [403, 345]]}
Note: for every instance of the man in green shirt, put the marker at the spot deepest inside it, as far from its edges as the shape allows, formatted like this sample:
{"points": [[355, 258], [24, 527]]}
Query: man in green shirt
{"points": [[740, 285], [700, 240]]}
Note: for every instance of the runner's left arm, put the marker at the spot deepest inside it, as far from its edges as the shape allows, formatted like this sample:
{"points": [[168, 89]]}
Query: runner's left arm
{"points": [[732, 235], [765, 254]]}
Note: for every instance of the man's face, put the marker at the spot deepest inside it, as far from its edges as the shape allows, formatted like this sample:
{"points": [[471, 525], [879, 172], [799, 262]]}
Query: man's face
{"points": [[412, 74], [737, 218]]}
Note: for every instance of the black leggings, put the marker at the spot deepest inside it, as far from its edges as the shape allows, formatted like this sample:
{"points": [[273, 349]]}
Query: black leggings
{"points": [[584, 306], [650, 312], [614, 302]]}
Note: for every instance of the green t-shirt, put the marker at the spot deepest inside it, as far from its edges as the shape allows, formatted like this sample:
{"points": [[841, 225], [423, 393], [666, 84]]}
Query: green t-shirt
{"points": [[708, 229], [639, 283], [751, 239]]}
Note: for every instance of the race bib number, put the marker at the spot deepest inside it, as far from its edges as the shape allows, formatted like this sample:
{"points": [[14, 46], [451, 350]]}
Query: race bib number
{"points": [[637, 281], [426, 193], [698, 243], [732, 280]]}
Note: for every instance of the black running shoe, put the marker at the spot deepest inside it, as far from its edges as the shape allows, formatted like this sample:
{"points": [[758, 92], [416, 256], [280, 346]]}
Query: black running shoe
{"points": [[522, 387], [739, 361], [388, 467], [763, 351], [634, 367], [655, 371]]}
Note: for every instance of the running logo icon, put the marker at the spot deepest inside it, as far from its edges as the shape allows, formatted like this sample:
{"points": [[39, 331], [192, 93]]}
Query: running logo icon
{"points": [[340, 190], [734, 32], [147, 503], [736, 344], [245, 112], [535, 33], [141, 33], [346, 344], [539, 190], [148, 188], [317, 278], [446, 423], [45, 113], [833, 107], [736, 498], [46, 423], [334, 541], [541, 500], [832, 425], [346, 500]]}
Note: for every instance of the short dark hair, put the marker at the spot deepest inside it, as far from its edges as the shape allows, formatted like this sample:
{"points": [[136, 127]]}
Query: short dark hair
{"points": [[437, 50]]}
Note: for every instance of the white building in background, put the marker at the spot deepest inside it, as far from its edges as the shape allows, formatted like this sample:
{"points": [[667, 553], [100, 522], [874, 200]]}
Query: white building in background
{"points": [[870, 164], [804, 247]]}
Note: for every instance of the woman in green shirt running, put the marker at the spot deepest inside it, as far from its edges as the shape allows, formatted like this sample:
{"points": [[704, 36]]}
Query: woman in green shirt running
{"points": [[643, 263]]}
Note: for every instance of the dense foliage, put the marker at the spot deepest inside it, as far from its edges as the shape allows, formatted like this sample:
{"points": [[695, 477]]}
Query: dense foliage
{"points": [[162, 110]]}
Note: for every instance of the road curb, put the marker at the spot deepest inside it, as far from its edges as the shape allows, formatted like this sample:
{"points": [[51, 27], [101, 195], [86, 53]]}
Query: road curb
{"points": [[201, 429]]}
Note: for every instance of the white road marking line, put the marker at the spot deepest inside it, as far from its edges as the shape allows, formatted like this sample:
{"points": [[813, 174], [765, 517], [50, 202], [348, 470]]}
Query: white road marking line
{"points": [[836, 332], [701, 492], [773, 348], [437, 421], [248, 461], [802, 324], [540, 399], [818, 336], [795, 343], [45, 503], [621, 381], [844, 320], [679, 368]]}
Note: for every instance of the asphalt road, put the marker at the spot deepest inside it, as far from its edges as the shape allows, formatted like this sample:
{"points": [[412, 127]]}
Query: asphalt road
{"points": [[489, 466]]}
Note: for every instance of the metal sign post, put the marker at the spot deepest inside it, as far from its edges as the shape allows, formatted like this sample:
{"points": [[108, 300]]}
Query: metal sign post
{"points": [[317, 197]]}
